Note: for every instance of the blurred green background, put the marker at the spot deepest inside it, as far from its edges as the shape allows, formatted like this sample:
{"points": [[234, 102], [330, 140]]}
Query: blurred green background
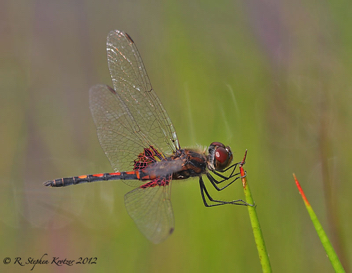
{"points": [[272, 77]]}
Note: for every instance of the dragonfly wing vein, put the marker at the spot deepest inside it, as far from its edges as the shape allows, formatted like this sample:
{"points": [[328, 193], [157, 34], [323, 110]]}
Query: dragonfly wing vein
{"points": [[151, 210]]}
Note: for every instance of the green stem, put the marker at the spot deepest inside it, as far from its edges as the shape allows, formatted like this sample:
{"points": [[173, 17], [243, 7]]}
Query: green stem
{"points": [[257, 232]]}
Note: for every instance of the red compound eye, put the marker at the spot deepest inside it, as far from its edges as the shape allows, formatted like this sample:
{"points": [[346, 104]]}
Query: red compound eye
{"points": [[221, 155]]}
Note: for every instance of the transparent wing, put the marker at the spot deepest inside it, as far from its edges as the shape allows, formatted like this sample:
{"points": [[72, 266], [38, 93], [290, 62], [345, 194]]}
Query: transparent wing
{"points": [[130, 116], [115, 131], [151, 210]]}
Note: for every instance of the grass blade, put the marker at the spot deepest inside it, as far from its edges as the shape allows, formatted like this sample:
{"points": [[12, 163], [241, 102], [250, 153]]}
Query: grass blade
{"points": [[321, 233]]}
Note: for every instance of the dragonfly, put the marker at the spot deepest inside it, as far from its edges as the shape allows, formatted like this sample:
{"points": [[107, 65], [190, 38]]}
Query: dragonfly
{"points": [[140, 141]]}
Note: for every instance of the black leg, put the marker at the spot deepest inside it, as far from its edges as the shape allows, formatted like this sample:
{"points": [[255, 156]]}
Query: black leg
{"points": [[232, 166], [214, 182], [203, 190], [226, 177]]}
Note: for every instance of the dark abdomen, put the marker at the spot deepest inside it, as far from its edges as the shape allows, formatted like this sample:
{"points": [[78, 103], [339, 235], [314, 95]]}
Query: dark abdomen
{"points": [[62, 182]]}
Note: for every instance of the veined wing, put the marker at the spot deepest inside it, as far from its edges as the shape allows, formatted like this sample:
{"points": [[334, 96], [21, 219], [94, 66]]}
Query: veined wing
{"points": [[130, 116], [150, 208]]}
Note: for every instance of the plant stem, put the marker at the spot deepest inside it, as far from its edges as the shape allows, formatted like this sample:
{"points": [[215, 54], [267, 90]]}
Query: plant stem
{"points": [[257, 232]]}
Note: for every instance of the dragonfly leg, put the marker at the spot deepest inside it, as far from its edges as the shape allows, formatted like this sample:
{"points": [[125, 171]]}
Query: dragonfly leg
{"points": [[204, 192], [232, 166], [225, 178], [214, 182]]}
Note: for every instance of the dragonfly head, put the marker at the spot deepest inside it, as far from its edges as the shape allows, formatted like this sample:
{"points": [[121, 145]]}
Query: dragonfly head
{"points": [[220, 156]]}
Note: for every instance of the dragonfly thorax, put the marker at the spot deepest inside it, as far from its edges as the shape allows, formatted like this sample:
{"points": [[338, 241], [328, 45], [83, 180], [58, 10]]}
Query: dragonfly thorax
{"points": [[194, 163]]}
